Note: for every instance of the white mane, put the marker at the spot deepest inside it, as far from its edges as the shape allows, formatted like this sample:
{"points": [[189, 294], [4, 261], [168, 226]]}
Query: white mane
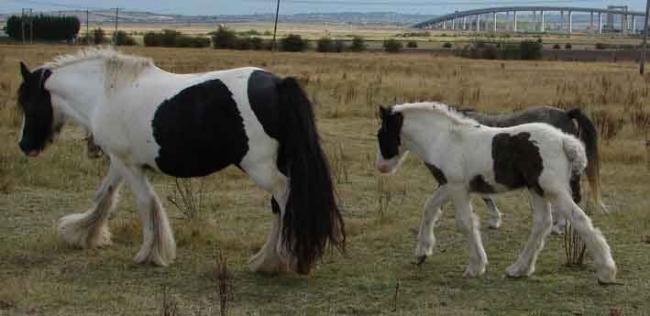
{"points": [[118, 67], [439, 108]]}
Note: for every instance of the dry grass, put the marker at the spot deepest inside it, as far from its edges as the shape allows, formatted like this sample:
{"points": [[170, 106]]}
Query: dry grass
{"points": [[40, 275]]}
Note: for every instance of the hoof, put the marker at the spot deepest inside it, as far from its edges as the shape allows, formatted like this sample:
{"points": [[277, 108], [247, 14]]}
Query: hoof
{"points": [[515, 272], [78, 230], [474, 271], [420, 260]]}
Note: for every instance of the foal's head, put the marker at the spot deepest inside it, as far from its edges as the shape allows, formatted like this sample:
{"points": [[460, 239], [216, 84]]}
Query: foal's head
{"points": [[39, 126], [390, 151]]}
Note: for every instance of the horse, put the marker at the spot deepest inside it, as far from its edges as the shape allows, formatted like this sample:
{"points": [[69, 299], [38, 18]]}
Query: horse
{"points": [[187, 125], [468, 158], [573, 122]]}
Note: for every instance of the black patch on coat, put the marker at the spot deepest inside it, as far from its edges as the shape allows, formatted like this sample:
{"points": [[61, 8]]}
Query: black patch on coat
{"points": [[575, 188], [479, 185], [264, 99], [389, 132], [199, 131], [36, 103], [437, 173], [517, 162]]}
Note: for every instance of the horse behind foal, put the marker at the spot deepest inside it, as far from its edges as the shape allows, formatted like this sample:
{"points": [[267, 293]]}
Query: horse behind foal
{"points": [[188, 125], [466, 157], [573, 122]]}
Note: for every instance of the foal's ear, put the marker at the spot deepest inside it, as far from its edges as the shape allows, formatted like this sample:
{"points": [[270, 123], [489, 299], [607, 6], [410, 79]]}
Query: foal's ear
{"points": [[24, 71]]}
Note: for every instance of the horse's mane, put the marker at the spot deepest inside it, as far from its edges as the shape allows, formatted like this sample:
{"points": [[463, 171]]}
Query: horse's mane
{"points": [[457, 118], [118, 66]]}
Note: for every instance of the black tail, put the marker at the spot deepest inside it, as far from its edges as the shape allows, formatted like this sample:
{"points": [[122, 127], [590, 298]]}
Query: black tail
{"points": [[312, 217], [589, 136]]}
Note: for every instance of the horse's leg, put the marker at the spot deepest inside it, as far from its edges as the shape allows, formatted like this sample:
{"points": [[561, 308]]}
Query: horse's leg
{"points": [[542, 222], [468, 223], [90, 229], [593, 238], [559, 220], [267, 259], [495, 215], [426, 239], [272, 258], [158, 246]]}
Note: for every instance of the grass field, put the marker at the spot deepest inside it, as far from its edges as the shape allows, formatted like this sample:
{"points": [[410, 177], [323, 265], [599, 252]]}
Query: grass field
{"points": [[39, 275]]}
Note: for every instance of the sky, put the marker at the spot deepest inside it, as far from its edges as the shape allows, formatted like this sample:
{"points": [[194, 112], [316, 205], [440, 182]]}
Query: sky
{"points": [[242, 7]]}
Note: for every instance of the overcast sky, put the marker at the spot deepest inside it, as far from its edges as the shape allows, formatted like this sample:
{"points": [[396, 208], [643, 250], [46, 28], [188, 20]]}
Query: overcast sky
{"points": [[218, 7]]}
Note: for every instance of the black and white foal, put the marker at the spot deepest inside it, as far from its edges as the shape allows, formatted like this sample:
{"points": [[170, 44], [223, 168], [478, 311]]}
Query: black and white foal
{"points": [[466, 157], [187, 125]]}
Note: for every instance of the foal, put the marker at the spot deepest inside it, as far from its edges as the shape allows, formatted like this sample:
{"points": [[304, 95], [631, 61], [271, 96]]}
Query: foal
{"points": [[466, 157], [187, 125]]}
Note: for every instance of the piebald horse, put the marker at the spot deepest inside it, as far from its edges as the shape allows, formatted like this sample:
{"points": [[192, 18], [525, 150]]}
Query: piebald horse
{"points": [[187, 125], [466, 157]]}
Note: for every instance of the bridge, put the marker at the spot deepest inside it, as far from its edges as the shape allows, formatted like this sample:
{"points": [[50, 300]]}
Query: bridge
{"points": [[486, 19]]}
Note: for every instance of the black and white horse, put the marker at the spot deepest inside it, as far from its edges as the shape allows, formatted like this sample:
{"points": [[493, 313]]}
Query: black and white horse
{"points": [[573, 122], [187, 125], [466, 157]]}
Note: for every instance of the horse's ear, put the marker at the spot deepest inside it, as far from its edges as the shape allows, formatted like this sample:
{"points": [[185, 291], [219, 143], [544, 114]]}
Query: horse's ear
{"points": [[382, 112], [24, 71]]}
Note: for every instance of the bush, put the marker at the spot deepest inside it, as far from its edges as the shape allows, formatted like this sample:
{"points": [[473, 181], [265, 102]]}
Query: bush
{"points": [[98, 36], [120, 38], [224, 38], [412, 44], [171, 38], [392, 46], [358, 44], [602, 46], [530, 50], [447, 45], [325, 45], [293, 43], [45, 27], [568, 46], [339, 46], [557, 46]]}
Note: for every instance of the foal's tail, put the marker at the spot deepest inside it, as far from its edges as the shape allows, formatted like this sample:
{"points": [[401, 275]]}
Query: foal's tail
{"points": [[589, 136], [312, 217]]}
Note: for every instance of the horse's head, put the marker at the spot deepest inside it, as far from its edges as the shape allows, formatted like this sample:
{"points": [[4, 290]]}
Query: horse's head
{"points": [[390, 151], [39, 124]]}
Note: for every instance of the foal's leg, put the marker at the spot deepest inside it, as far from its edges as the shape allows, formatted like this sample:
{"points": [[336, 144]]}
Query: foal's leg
{"points": [[596, 244], [495, 215], [559, 220], [158, 247], [468, 223], [426, 239], [542, 222], [90, 229]]}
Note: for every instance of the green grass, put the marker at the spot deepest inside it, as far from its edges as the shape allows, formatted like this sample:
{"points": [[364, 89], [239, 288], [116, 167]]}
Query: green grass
{"points": [[40, 275]]}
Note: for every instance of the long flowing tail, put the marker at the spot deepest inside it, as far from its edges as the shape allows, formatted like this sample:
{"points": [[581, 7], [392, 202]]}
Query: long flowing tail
{"points": [[312, 217], [589, 136]]}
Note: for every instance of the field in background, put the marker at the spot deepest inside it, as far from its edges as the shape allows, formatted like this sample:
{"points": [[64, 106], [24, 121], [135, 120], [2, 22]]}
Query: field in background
{"points": [[376, 34], [40, 275]]}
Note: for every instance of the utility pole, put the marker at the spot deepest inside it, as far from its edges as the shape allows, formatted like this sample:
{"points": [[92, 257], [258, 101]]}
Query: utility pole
{"points": [[644, 46], [87, 29], [31, 27], [22, 24], [117, 16], [275, 27]]}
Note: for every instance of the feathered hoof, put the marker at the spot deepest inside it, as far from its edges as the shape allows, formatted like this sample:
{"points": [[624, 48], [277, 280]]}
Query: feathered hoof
{"points": [[473, 271], [78, 230], [516, 271], [607, 275], [264, 262], [159, 255], [494, 223]]}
